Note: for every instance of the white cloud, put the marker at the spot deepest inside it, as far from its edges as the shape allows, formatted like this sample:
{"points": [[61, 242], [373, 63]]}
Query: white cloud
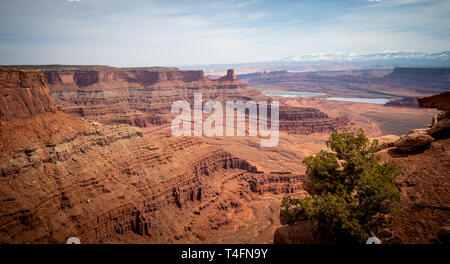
{"points": [[172, 33]]}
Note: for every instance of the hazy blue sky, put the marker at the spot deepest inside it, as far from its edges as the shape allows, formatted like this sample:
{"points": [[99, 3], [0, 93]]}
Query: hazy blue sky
{"points": [[145, 33]]}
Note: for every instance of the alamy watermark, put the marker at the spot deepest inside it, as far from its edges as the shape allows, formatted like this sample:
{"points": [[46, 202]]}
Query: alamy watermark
{"points": [[235, 113]]}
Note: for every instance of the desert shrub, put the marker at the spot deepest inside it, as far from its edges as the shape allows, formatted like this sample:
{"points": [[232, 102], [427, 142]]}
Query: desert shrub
{"points": [[351, 190]]}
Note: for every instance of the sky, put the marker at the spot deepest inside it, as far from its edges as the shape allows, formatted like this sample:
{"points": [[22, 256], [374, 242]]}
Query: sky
{"points": [[192, 32]]}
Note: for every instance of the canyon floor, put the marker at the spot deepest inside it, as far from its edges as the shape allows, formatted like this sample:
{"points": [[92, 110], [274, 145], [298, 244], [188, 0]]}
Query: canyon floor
{"points": [[376, 119]]}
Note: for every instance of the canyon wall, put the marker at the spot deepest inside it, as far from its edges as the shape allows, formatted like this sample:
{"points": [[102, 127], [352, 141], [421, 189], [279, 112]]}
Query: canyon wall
{"points": [[137, 96], [143, 97], [61, 176]]}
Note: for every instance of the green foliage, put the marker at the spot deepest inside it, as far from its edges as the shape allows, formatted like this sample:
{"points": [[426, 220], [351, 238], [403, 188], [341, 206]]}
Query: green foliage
{"points": [[351, 191]]}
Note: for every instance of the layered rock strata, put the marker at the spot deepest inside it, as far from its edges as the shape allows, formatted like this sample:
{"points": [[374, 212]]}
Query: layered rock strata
{"points": [[302, 120], [137, 96], [23, 93], [143, 97], [61, 176]]}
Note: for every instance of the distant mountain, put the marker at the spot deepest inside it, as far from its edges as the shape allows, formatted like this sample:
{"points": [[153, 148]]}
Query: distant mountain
{"points": [[386, 56], [334, 62]]}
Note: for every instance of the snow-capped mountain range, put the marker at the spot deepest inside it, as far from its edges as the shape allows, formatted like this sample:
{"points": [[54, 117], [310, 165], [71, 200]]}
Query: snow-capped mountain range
{"points": [[334, 62], [381, 56]]}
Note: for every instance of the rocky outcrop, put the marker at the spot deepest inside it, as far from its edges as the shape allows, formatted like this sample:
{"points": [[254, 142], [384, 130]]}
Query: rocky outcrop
{"points": [[230, 77], [440, 101], [61, 176], [416, 139], [300, 120], [23, 93], [276, 183], [439, 127]]}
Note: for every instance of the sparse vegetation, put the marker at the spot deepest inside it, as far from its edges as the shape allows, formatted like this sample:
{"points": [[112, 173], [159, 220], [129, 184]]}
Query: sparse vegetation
{"points": [[351, 190]]}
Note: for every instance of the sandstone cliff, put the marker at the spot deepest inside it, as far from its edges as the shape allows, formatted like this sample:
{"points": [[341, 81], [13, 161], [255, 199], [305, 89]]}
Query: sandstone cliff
{"points": [[143, 97], [439, 101], [61, 176], [23, 93], [137, 96]]}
